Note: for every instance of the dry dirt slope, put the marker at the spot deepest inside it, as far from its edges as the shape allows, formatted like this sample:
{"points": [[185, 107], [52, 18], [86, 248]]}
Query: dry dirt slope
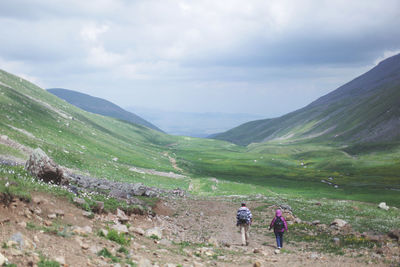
{"points": [[58, 230]]}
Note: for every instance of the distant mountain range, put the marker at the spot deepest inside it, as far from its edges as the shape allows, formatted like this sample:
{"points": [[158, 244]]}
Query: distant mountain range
{"points": [[191, 123], [99, 106], [367, 109]]}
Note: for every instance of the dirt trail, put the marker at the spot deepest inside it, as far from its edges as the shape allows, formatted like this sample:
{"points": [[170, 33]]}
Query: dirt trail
{"points": [[188, 225]]}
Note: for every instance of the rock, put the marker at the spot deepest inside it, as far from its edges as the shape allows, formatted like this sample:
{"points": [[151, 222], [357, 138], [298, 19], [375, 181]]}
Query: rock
{"points": [[47, 223], [257, 264], [44, 168], [339, 223], [60, 260], [256, 250], [136, 230], [52, 216], [85, 246], [277, 251], [144, 263], [37, 200], [22, 242], [156, 231], [297, 220], [395, 234], [383, 206], [314, 256], [336, 241], [316, 222], [79, 201], [285, 207], [87, 214], [82, 230], [120, 228], [99, 207], [122, 216], [22, 224], [3, 259], [104, 232], [59, 213], [165, 242]]}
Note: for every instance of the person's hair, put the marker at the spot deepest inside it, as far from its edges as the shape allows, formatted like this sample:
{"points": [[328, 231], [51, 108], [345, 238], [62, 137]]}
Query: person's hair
{"points": [[243, 204]]}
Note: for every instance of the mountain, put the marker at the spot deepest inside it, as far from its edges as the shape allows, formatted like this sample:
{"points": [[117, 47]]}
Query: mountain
{"points": [[364, 110], [99, 106], [191, 123]]}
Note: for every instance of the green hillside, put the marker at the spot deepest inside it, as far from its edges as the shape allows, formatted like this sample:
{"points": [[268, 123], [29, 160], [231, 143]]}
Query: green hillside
{"points": [[99, 106], [361, 111], [104, 147]]}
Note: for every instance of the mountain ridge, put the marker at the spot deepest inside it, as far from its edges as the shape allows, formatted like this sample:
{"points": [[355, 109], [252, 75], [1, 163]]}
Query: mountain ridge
{"points": [[100, 106], [362, 110]]}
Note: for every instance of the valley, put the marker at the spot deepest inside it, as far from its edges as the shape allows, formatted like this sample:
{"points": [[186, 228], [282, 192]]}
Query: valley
{"points": [[319, 180]]}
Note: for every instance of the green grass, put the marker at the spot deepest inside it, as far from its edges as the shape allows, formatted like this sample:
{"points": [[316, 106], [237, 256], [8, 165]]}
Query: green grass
{"points": [[322, 240]]}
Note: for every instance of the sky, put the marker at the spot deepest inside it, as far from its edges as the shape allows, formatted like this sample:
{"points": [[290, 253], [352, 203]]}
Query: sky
{"points": [[266, 57]]}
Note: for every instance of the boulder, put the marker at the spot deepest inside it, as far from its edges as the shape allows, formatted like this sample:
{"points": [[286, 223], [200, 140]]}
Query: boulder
{"points": [[156, 231], [120, 228], [136, 230], [122, 216], [383, 206], [395, 234], [44, 168], [339, 223], [3, 259]]}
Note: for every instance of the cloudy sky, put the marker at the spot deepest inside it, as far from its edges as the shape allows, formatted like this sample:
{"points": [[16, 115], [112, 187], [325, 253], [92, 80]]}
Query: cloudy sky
{"points": [[264, 57]]}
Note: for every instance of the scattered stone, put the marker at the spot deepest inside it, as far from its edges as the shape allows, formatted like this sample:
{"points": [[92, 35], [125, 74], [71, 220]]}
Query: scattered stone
{"points": [[59, 213], [44, 168], [122, 216], [82, 230], [47, 223], [256, 250], [78, 200], [99, 207], [144, 263], [156, 231], [3, 259], [23, 243], [60, 260], [136, 230], [314, 256], [336, 240], [37, 200], [52, 216], [383, 206], [277, 251], [316, 222], [395, 234], [120, 228], [22, 224], [339, 223], [165, 242], [297, 220], [85, 246], [257, 264], [87, 214]]}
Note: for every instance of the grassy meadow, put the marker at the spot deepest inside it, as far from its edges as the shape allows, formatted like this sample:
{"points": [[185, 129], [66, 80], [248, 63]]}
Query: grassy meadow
{"points": [[283, 172]]}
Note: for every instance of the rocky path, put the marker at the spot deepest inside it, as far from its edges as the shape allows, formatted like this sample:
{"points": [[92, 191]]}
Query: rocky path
{"points": [[185, 232]]}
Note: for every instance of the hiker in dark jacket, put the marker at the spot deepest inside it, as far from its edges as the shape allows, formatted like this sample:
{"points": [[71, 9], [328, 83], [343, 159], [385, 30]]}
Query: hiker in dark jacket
{"points": [[244, 219], [280, 226]]}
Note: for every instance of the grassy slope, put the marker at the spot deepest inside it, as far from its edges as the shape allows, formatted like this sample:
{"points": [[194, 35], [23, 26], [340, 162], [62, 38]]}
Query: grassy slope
{"points": [[363, 110], [89, 142], [99, 106]]}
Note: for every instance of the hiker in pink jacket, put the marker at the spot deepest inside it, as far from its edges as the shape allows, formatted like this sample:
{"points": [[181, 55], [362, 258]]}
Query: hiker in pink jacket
{"points": [[279, 224]]}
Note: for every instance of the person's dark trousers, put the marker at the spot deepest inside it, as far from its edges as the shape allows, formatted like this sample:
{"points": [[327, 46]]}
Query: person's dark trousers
{"points": [[279, 239]]}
